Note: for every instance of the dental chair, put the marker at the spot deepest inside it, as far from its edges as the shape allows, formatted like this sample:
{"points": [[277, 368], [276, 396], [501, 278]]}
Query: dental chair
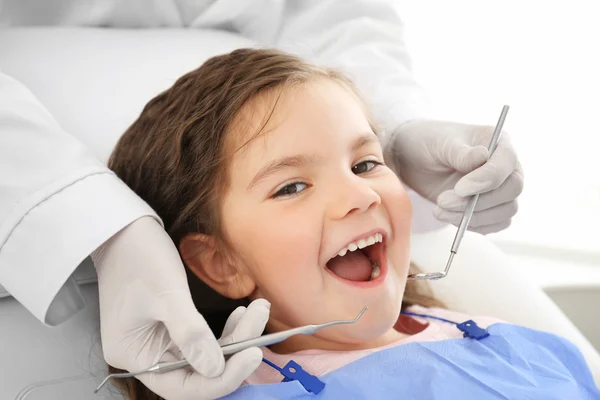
{"points": [[95, 82]]}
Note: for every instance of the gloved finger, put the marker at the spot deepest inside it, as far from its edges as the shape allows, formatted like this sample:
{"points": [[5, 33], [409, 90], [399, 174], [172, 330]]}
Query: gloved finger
{"points": [[508, 191], [183, 384], [251, 324], [484, 230], [492, 174], [491, 216], [239, 367], [192, 335], [464, 158], [233, 320]]}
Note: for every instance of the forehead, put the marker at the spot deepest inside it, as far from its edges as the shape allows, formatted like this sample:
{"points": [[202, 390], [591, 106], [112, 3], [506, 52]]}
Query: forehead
{"points": [[295, 119]]}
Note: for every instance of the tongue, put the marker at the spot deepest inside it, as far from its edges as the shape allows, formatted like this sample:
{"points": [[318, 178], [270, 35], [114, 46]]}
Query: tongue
{"points": [[354, 266]]}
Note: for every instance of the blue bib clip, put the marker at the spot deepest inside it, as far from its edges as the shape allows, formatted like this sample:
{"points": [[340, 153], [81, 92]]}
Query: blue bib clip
{"points": [[472, 331], [294, 372]]}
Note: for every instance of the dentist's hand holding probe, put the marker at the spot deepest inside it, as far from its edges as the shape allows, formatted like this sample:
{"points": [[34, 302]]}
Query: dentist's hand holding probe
{"points": [[448, 162], [148, 316]]}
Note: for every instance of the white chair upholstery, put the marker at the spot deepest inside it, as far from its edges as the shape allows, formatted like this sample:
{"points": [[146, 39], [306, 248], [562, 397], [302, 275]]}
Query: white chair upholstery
{"points": [[96, 82]]}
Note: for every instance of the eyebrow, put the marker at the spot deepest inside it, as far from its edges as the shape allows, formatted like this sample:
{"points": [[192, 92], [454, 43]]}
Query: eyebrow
{"points": [[364, 140], [302, 160]]}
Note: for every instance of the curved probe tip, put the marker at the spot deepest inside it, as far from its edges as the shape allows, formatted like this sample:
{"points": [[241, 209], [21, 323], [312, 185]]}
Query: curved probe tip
{"points": [[365, 308], [102, 384]]}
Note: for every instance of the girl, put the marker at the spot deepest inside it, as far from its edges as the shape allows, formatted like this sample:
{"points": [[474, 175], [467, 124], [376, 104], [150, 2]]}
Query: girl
{"points": [[270, 177]]}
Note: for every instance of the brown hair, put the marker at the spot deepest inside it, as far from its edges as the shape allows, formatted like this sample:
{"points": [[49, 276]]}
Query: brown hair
{"points": [[174, 156]]}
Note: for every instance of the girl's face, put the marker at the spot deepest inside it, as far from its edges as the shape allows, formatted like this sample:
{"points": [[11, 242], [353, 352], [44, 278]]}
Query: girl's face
{"points": [[310, 187]]}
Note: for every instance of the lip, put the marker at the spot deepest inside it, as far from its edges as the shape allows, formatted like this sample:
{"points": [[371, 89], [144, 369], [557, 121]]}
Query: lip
{"points": [[383, 264], [358, 237]]}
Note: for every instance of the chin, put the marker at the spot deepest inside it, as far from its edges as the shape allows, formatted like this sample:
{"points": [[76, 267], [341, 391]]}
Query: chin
{"points": [[377, 321]]}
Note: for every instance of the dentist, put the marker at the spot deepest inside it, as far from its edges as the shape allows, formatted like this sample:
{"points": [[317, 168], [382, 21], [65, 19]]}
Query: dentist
{"points": [[59, 204]]}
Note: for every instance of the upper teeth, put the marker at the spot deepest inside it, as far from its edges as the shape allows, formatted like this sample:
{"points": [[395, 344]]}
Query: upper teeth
{"points": [[361, 244]]}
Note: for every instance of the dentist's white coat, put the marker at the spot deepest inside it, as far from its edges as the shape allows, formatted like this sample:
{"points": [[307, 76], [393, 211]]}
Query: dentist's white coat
{"points": [[58, 202]]}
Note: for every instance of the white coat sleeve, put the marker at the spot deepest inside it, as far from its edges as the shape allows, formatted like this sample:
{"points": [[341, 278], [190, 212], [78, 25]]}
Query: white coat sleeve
{"points": [[362, 37], [57, 205]]}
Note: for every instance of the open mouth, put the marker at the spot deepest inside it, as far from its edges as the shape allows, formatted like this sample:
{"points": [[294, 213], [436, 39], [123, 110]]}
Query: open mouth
{"points": [[361, 261]]}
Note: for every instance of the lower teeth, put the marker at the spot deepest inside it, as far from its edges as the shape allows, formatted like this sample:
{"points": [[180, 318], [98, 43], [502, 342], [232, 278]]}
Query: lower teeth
{"points": [[376, 270]]}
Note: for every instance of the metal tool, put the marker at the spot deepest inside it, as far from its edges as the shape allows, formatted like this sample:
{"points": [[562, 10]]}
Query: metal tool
{"points": [[464, 222], [232, 348]]}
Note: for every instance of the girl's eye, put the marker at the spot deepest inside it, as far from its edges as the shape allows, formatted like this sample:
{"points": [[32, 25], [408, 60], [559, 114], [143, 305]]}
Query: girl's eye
{"points": [[291, 189], [365, 166]]}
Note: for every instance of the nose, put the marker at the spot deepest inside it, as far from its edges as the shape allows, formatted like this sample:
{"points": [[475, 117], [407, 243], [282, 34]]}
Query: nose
{"points": [[353, 195]]}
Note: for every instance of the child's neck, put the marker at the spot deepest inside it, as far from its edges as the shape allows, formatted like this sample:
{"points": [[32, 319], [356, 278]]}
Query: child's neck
{"points": [[302, 342]]}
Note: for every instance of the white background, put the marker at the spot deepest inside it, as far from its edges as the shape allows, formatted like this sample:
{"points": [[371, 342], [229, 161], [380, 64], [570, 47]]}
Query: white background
{"points": [[542, 59]]}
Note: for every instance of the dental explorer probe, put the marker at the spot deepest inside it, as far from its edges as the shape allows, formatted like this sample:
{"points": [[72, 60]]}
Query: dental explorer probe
{"points": [[232, 348], [464, 222]]}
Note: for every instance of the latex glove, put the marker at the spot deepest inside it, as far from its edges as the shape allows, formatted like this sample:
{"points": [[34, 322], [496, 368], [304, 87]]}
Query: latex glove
{"points": [[147, 316], [448, 162]]}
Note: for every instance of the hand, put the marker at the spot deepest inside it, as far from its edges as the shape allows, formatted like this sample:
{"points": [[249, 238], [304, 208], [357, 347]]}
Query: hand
{"points": [[147, 316], [448, 162]]}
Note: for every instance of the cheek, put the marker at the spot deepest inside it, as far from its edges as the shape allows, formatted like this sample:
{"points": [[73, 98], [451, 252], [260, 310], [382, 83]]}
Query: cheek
{"points": [[286, 255], [286, 270], [397, 203], [282, 243], [399, 209]]}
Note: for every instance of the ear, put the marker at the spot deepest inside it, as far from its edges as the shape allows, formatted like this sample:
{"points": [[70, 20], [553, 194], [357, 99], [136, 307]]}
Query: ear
{"points": [[203, 257]]}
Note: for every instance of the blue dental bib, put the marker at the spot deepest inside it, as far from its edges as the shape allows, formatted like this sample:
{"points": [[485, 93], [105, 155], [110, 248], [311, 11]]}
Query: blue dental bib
{"points": [[513, 362]]}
